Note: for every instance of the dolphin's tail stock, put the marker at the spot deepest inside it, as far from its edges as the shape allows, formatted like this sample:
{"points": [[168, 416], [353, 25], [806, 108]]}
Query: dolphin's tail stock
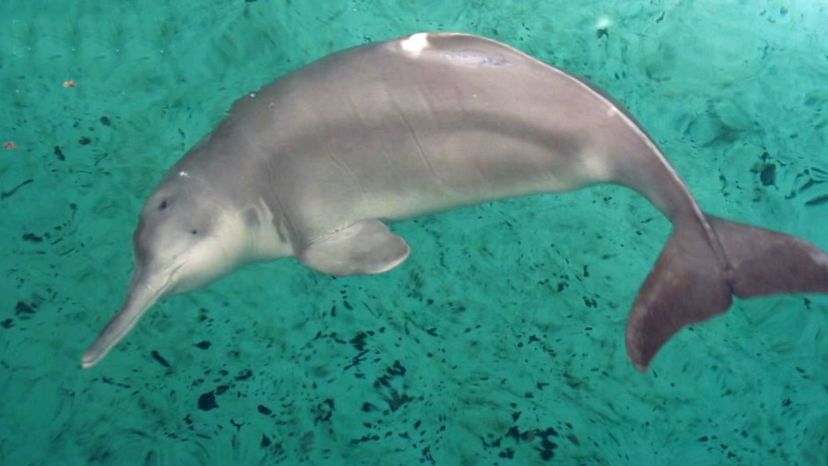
{"points": [[691, 282]]}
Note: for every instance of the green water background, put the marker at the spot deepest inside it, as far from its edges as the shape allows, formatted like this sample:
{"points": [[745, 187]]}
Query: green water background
{"points": [[500, 341]]}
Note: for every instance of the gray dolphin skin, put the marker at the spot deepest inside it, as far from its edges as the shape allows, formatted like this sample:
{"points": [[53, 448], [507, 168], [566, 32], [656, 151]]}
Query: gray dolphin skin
{"points": [[309, 166]]}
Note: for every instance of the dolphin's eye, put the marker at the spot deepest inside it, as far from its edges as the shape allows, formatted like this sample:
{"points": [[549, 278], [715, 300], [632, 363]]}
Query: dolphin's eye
{"points": [[162, 205], [194, 231]]}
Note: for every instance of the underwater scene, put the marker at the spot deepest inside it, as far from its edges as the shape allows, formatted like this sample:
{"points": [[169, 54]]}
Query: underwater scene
{"points": [[502, 338]]}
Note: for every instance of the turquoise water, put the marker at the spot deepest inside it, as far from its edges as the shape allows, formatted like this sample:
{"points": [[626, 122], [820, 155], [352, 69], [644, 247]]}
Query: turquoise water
{"points": [[500, 340]]}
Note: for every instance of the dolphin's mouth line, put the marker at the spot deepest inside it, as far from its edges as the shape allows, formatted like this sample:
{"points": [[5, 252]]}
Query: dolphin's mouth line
{"points": [[166, 285]]}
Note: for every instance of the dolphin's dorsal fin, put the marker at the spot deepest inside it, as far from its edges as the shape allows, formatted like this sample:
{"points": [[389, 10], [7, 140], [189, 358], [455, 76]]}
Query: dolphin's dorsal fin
{"points": [[366, 247]]}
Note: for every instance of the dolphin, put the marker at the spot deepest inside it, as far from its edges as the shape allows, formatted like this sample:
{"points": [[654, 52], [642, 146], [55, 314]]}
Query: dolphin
{"points": [[312, 164]]}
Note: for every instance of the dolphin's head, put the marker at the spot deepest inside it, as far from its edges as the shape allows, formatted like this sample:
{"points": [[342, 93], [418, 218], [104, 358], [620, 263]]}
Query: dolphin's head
{"points": [[186, 238]]}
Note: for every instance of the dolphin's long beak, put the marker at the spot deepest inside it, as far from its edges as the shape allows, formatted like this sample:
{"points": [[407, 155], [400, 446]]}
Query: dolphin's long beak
{"points": [[146, 289]]}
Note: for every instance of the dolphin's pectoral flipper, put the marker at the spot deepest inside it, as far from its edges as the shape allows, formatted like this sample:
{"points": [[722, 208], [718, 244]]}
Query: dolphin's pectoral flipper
{"points": [[366, 247], [690, 284]]}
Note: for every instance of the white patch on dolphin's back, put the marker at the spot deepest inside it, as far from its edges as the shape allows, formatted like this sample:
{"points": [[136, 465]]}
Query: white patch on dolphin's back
{"points": [[475, 59], [415, 44]]}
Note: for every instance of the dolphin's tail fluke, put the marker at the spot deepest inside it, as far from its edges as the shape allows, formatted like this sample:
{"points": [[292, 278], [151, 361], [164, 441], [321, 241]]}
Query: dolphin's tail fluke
{"points": [[691, 283]]}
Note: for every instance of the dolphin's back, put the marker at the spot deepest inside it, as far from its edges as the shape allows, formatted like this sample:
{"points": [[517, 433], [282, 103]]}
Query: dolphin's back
{"points": [[402, 128]]}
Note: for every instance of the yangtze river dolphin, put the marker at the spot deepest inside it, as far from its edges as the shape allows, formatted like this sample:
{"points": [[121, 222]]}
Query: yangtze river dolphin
{"points": [[312, 164]]}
